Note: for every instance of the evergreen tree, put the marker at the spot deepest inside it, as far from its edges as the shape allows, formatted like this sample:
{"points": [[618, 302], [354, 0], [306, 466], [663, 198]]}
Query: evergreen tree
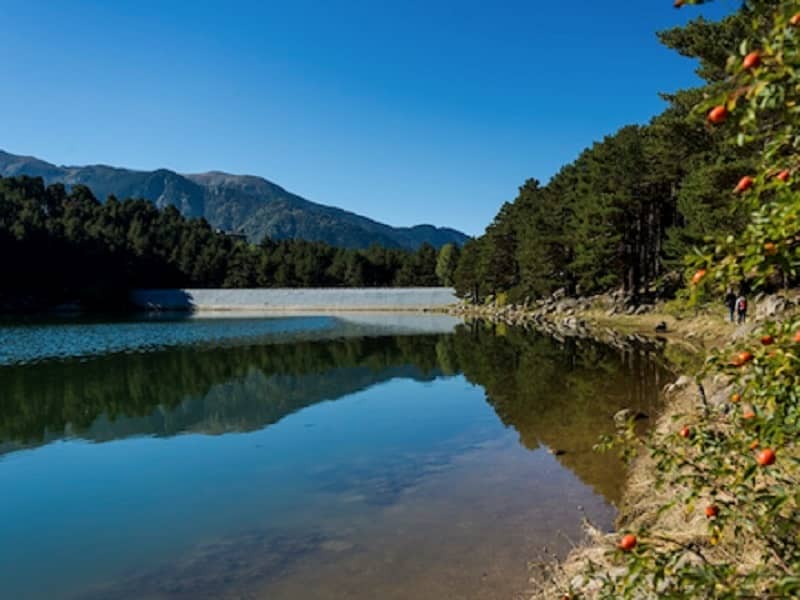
{"points": [[72, 247], [446, 264]]}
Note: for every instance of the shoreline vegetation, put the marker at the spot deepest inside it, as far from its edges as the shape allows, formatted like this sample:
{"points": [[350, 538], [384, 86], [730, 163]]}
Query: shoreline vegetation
{"points": [[689, 338], [699, 205]]}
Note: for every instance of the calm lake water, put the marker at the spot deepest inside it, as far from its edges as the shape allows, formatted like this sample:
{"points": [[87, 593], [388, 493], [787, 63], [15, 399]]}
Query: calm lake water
{"points": [[308, 457]]}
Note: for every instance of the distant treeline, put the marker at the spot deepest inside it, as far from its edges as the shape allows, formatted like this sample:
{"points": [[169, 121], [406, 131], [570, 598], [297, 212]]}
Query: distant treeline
{"points": [[61, 245], [628, 210]]}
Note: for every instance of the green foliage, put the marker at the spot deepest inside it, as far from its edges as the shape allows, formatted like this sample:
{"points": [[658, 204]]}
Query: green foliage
{"points": [[446, 264], [763, 105], [738, 461], [704, 201], [628, 209], [542, 249], [709, 42], [467, 279], [69, 246], [498, 259]]}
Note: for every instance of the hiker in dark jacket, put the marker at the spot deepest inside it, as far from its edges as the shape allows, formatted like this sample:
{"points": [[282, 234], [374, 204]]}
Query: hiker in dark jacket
{"points": [[741, 308], [730, 302]]}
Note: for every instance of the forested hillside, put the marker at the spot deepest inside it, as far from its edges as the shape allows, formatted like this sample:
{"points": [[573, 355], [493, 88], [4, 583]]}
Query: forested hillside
{"points": [[628, 210], [59, 246], [243, 204]]}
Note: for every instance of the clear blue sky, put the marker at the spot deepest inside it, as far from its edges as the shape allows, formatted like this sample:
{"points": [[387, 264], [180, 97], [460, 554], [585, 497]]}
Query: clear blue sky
{"points": [[406, 111]]}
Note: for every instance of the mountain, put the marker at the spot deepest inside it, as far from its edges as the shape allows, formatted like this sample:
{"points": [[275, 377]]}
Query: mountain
{"points": [[239, 203]]}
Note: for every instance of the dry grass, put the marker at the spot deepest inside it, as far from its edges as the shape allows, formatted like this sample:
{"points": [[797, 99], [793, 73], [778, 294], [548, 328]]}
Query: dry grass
{"points": [[639, 510]]}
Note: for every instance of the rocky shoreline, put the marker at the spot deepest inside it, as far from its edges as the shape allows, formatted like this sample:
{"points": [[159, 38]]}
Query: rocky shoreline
{"points": [[616, 311], [615, 319]]}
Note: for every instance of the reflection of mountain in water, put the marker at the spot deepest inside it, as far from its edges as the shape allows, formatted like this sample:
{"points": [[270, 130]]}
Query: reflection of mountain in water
{"points": [[561, 395], [198, 389], [251, 402]]}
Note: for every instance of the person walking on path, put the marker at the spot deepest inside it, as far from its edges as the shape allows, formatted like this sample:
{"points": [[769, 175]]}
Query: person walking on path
{"points": [[730, 302], [741, 308]]}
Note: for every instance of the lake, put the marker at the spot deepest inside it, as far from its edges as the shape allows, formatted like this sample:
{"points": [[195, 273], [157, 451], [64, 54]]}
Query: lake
{"points": [[301, 457]]}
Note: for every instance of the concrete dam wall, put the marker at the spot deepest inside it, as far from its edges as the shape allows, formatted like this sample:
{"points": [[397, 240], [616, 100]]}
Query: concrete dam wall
{"points": [[294, 299]]}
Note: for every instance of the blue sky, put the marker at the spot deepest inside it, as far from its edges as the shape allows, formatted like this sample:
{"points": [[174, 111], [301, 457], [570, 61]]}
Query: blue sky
{"points": [[415, 111]]}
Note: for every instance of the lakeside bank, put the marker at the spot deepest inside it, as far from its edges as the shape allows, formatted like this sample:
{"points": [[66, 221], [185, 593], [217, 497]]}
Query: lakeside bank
{"points": [[695, 401]]}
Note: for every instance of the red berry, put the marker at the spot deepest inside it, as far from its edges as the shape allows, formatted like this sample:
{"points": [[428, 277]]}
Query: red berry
{"points": [[783, 175], [685, 432], [742, 358], [628, 542], [698, 277], [745, 183], [712, 510], [766, 457], [795, 20], [718, 115], [752, 60], [767, 340]]}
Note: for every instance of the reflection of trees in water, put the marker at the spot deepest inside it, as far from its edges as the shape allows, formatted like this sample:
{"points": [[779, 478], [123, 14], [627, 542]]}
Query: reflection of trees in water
{"points": [[233, 388], [562, 395]]}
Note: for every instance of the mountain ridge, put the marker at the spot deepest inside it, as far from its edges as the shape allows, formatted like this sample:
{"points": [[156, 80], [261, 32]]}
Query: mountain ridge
{"points": [[248, 204]]}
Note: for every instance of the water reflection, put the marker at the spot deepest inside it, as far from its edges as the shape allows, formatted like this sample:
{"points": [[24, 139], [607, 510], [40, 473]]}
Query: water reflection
{"points": [[561, 395], [373, 465]]}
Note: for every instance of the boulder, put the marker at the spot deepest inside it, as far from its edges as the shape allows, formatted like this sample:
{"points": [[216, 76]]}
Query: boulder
{"points": [[566, 304], [570, 322], [773, 305], [626, 414], [721, 397]]}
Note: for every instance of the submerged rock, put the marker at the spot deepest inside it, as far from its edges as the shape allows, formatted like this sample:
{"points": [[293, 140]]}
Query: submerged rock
{"points": [[626, 414]]}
